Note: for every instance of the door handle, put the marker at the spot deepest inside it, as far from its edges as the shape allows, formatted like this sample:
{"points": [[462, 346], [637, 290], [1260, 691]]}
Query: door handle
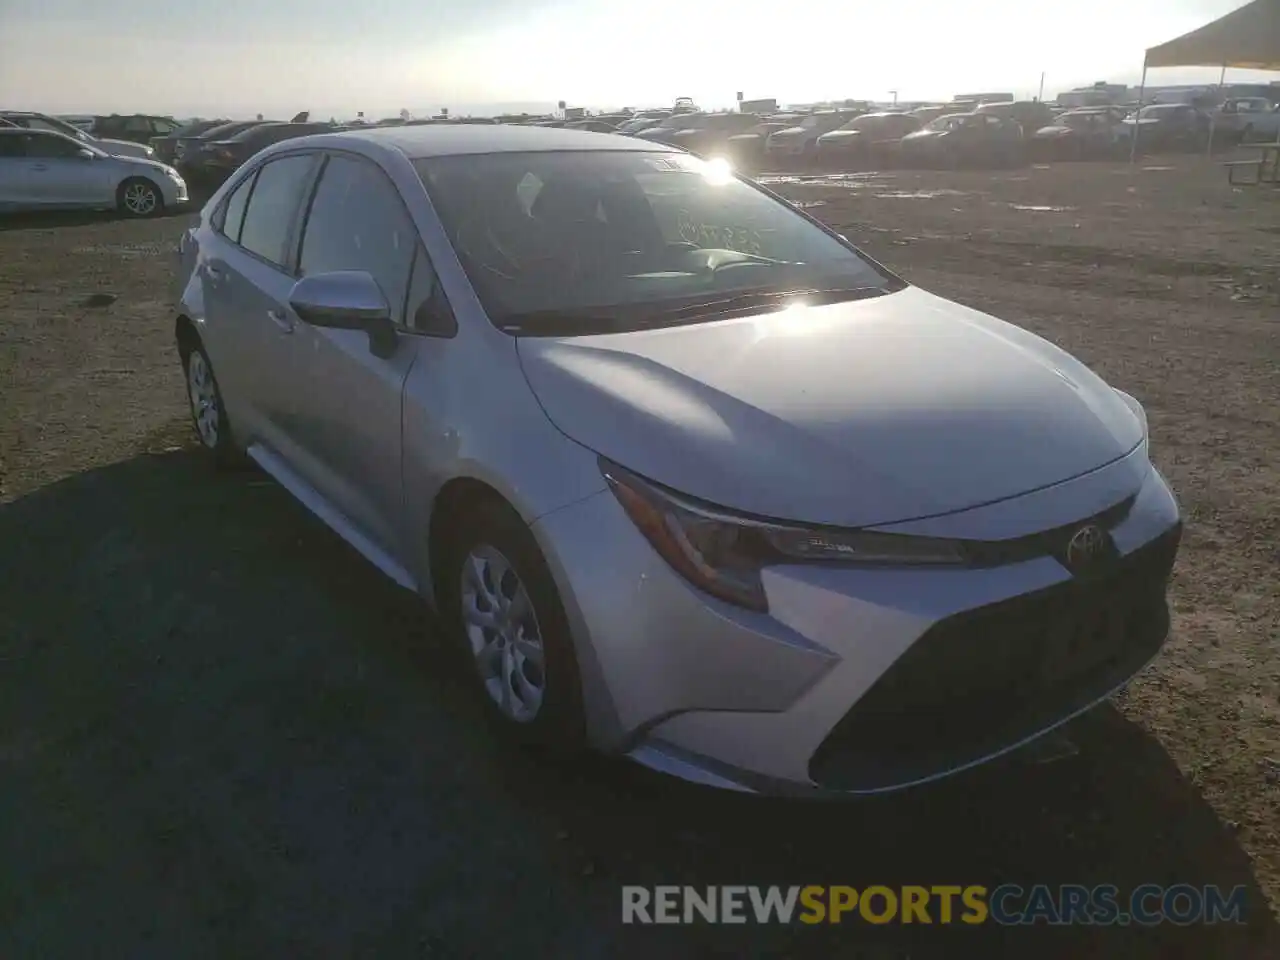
{"points": [[281, 320], [215, 272], [39, 166]]}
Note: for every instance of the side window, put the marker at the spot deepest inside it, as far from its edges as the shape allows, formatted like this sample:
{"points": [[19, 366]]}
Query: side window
{"points": [[51, 146], [358, 222], [137, 125], [274, 204], [229, 217]]}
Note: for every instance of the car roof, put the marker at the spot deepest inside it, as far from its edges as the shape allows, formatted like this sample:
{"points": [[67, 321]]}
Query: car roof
{"points": [[462, 139]]}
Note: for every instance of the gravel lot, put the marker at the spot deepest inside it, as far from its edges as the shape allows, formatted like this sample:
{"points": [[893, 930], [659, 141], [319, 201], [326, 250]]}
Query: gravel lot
{"points": [[222, 734]]}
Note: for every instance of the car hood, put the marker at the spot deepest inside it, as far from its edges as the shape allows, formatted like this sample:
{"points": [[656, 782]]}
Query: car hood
{"points": [[144, 165], [923, 135], [788, 133], [123, 148], [855, 414], [841, 135], [1053, 131]]}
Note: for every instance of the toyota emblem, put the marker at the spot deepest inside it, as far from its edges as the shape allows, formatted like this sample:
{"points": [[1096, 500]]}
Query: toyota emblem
{"points": [[1087, 546]]}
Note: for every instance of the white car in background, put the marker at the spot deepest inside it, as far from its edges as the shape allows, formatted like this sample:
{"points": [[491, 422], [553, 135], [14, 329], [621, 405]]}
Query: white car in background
{"points": [[31, 120], [43, 170], [1251, 119]]}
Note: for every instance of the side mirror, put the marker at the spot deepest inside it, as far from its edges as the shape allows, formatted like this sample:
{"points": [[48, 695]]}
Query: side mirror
{"points": [[346, 300], [88, 155]]}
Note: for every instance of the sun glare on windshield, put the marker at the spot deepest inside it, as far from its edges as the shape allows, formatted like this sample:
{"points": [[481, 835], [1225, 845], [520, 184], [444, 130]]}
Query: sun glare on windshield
{"points": [[717, 171]]}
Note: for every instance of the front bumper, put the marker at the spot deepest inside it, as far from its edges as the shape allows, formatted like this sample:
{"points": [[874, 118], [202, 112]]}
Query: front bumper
{"points": [[175, 191], [858, 680]]}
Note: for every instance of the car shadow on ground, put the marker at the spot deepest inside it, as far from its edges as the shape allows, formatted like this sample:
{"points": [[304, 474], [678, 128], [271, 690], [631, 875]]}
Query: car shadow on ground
{"points": [[223, 734]]}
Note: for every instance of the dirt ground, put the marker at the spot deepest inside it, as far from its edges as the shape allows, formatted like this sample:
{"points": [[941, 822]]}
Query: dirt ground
{"points": [[223, 735]]}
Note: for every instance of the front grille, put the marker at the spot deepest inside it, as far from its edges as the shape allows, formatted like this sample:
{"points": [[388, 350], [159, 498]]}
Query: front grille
{"points": [[986, 679], [1053, 542]]}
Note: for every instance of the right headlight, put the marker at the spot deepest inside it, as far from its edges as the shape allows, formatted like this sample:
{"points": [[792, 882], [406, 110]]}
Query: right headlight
{"points": [[723, 553]]}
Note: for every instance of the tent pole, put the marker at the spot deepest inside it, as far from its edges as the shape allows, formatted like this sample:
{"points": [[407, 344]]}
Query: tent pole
{"points": [[1133, 144], [1213, 118]]}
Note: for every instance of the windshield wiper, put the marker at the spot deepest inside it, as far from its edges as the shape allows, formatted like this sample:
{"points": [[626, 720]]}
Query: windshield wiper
{"points": [[751, 301], [640, 316]]}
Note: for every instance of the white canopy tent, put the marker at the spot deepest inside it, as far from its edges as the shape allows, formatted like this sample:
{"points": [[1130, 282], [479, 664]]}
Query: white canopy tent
{"points": [[1247, 38]]}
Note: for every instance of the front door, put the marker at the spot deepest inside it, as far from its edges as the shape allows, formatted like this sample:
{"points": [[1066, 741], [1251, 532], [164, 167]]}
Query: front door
{"points": [[349, 398]]}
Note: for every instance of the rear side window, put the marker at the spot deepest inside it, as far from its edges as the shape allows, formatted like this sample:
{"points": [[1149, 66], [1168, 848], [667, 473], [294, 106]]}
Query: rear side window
{"points": [[230, 215], [358, 222], [273, 205]]}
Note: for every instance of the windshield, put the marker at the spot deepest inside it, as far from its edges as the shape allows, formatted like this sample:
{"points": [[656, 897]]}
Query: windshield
{"points": [[58, 126], [625, 234]]}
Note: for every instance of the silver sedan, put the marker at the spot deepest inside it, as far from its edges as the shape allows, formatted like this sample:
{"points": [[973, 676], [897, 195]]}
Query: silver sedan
{"points": [[688, 478], [41, 170]]}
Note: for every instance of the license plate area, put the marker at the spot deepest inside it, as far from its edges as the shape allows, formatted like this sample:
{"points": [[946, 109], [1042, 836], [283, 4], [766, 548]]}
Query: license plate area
{"points": [[1086, 634]]}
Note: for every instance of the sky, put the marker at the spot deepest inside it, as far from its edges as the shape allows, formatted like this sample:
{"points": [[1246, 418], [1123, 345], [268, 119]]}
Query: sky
{"points": [[336, 57]]}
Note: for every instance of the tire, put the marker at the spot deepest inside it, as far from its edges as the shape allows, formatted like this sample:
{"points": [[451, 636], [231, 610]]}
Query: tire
{"points": [[502, 665], [208, 413], [139, 198]]}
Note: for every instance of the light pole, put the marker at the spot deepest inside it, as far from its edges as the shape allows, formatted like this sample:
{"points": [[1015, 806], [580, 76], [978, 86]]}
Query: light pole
{"points": [[894, 94]]}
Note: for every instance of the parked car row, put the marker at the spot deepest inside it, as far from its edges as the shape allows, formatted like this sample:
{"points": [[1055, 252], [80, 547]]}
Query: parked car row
{"points": [[32, 120], [105, 162]]}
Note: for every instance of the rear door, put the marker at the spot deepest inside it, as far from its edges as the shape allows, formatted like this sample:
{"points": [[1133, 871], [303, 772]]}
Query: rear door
{"points": [[247, 275], [350, 437]]}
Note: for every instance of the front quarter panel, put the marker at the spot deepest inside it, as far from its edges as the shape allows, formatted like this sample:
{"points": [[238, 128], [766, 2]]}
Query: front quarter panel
{"points": [[469, 414]]}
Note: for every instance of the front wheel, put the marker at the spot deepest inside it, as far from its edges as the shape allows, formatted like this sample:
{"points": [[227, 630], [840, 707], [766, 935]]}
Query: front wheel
{"points": [[500, 601], [139, 198]]}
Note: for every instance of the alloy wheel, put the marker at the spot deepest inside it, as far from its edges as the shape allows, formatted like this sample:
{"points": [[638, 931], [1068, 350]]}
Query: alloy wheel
{"points": [[140, 199], [204, 399], [502, 631]]}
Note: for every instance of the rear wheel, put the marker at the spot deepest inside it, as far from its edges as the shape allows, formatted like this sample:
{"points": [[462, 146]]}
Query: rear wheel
{"points": [[208, 414], [138, 197]]}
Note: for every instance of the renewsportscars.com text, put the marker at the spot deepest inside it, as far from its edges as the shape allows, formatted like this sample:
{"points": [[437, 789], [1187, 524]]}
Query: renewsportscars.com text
{"points": [[1009, 904]]}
